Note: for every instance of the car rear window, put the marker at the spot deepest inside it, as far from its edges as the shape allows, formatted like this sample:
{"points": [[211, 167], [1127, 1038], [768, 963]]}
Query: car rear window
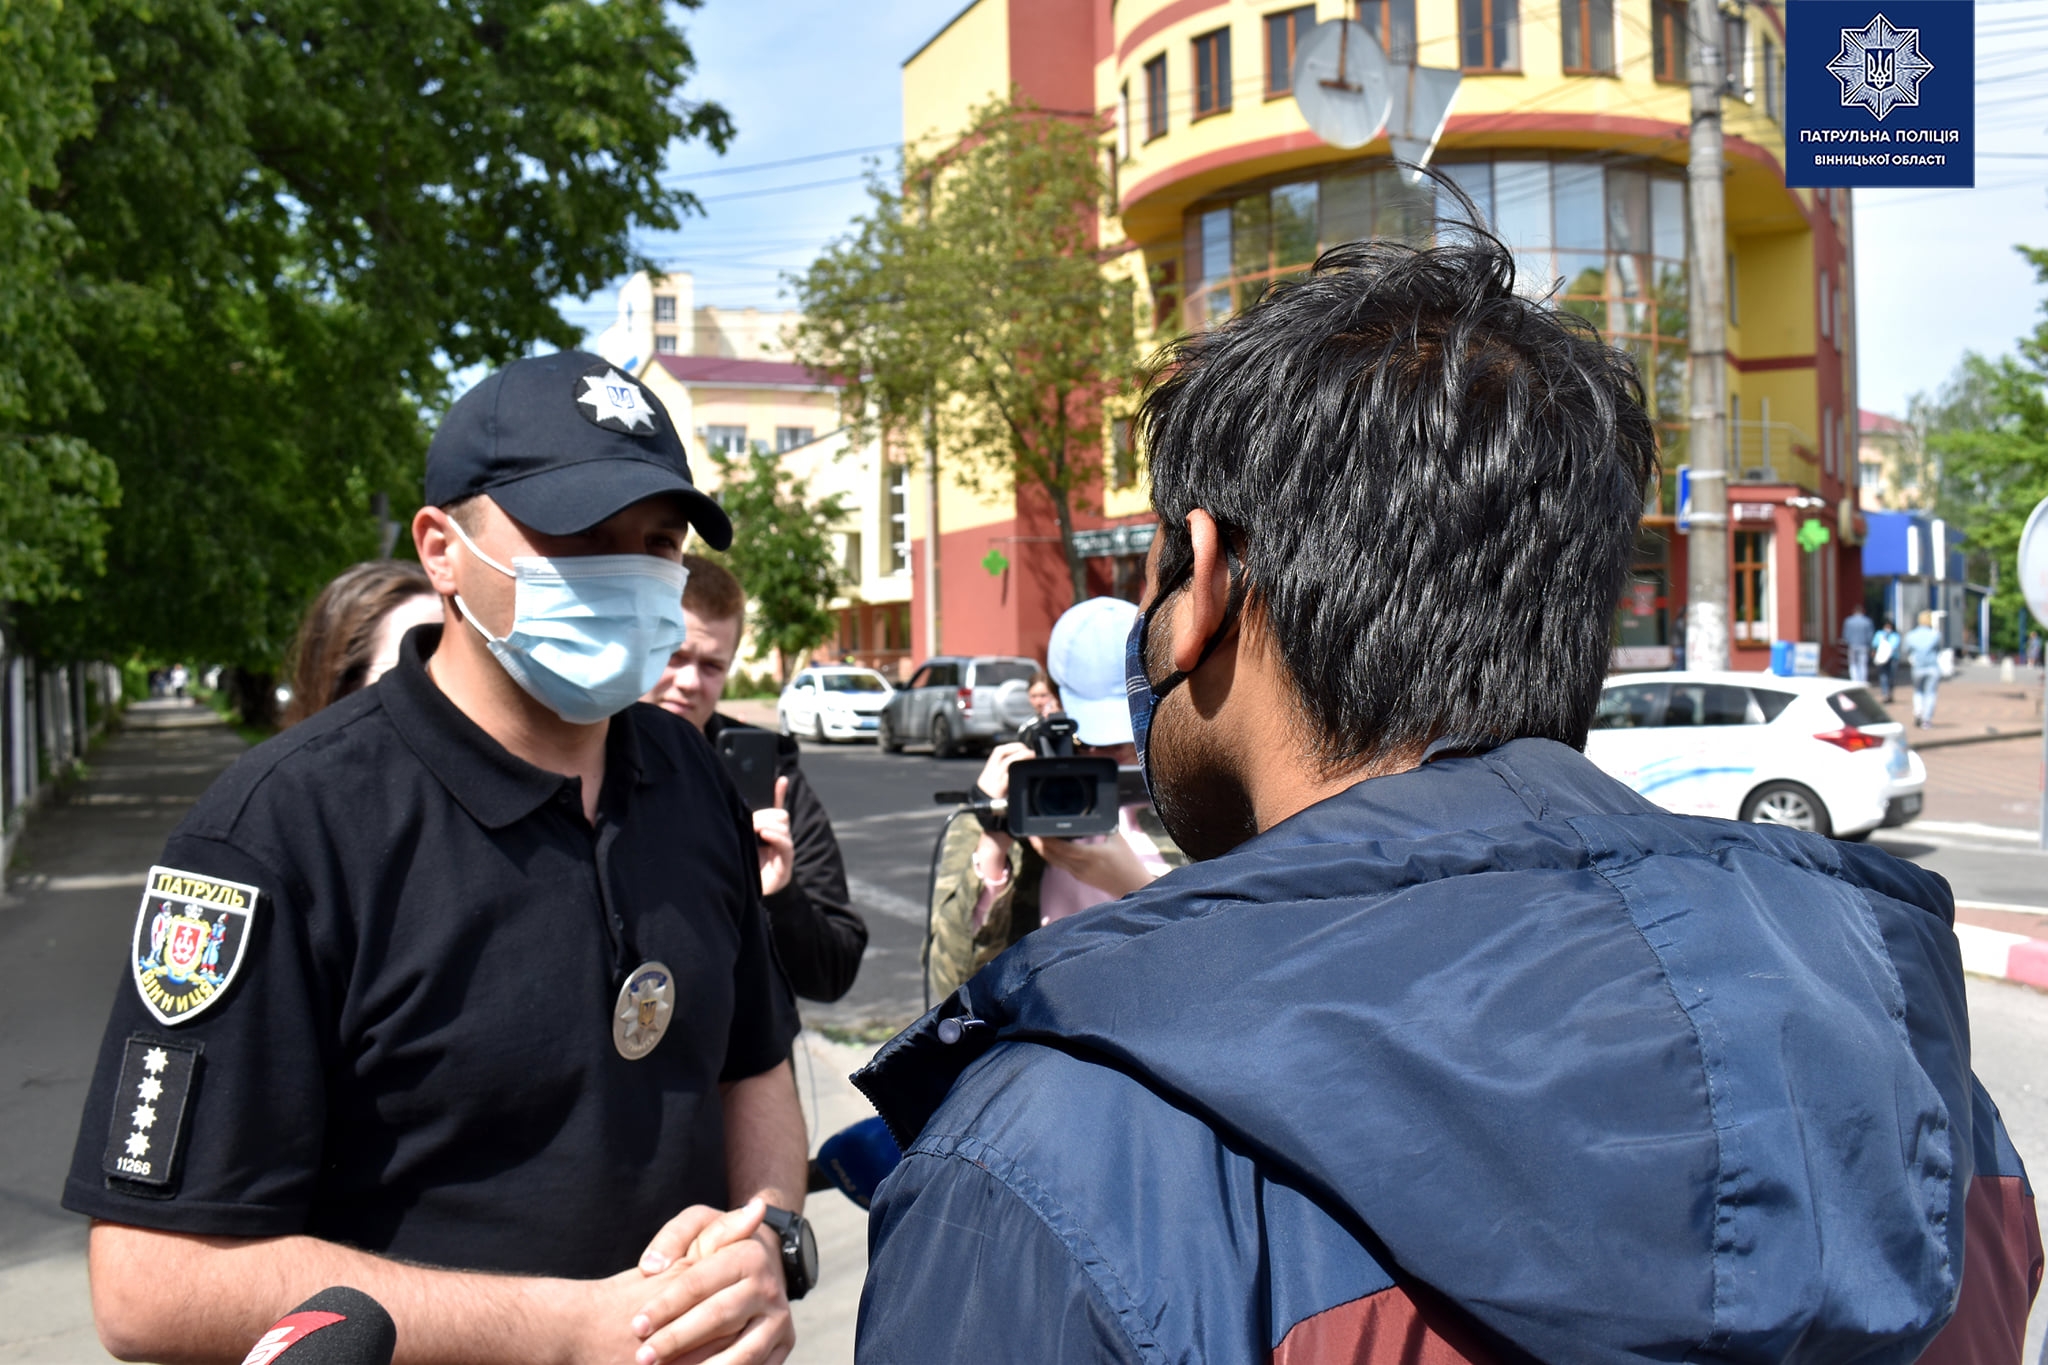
{"points": [[1772, 703], [1859, 706], [1629, 707], [1706, 704], [996, 672], [852, 682]]}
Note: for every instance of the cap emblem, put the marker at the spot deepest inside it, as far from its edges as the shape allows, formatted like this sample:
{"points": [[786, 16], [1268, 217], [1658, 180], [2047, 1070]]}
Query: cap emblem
{"points": [[614, 402]]}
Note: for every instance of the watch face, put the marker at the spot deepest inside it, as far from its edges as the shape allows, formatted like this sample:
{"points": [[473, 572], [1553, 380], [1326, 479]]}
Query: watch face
{"points": [[807, 1251]]}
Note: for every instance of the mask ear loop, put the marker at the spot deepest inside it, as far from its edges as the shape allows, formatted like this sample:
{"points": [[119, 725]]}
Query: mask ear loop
{"points": [[463, 606], [1240, 583]]}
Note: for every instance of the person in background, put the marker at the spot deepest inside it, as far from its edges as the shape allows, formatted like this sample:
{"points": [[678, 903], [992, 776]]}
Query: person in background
{"points": [[2033, 649], [990, 890], [818, 934], [1045, 698], [350, 635], [1922, 648], [1884, 651], [1857, 634]]}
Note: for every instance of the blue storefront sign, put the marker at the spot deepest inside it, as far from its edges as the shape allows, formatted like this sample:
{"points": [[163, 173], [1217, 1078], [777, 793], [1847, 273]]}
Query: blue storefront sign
{"points": [[1880, 92]]}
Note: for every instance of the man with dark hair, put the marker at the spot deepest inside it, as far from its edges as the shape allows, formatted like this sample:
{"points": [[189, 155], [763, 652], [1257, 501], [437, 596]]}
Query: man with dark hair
{"points": [[818, 934], [1452, 1048]]}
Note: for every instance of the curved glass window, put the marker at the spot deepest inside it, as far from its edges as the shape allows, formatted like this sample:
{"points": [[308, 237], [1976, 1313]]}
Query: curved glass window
{"points": [[1603, 239]]}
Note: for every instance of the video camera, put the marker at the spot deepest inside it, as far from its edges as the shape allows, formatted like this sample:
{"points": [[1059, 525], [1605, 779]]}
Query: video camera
{"points": [[1056, 794]]}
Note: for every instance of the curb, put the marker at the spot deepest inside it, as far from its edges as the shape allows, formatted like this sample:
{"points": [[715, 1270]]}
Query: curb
{"points": [[1992, 738], [2000, 953]]}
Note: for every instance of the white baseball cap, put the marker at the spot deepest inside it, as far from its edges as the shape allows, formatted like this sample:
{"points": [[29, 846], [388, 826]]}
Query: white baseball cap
{"points": [[1086, 659]]}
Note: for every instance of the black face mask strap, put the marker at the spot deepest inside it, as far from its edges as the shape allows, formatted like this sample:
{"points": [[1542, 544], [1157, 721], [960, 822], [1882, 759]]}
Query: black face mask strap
{"points": [[1240, 583]]}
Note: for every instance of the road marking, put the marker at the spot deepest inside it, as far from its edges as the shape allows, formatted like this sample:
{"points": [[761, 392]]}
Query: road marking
{"points": [[935, 814], [1966, 829], [868, 895], [2002, 905]]}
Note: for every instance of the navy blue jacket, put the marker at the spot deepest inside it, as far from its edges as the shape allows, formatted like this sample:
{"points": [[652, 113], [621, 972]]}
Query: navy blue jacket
{"points": [[1491, 1060]]}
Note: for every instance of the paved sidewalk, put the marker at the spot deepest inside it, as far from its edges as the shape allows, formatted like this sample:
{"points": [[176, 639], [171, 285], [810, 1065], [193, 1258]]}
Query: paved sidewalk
{"points": [[1973, 707]]}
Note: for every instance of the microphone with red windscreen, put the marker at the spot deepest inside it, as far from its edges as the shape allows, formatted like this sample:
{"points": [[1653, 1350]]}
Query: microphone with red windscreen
{"points": [[338, 1326]]}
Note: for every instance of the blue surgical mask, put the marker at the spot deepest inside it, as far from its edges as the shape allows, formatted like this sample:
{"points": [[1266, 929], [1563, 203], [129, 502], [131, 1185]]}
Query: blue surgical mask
{"points": [[589, 634], [1140, 692]]}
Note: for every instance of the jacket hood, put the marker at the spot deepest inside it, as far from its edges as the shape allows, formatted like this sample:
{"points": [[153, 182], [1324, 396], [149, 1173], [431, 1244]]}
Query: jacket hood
{"points": [[1624, 1085]]}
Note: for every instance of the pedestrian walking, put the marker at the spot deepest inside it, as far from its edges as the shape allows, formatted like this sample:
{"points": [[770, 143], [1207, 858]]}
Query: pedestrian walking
{"points": [[1922, 651], [1857, 634], [1884, 651], [1446, 1047], [493, 1029]]}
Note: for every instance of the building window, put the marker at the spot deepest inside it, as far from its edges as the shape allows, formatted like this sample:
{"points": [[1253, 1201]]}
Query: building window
{"points": [[789, 438], [896, 482], [1827, 304], [1774, 81], [1668, 40], [1123, 457], [1753, 587], [664, 307], [1155, 97], [1489, 35], [665, 344], [731, 440], [1588, 37], [1734, 294], [1284, 32], [1212, 73], [1123, 122], [1393, 23], [1870, 473], [1827, 440], [1735, 55], [849, 560]]}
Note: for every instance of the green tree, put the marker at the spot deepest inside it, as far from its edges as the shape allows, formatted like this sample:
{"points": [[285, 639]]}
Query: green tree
{"points": [[981, 284], [292, 221], [783, 554], [1987, 430]]}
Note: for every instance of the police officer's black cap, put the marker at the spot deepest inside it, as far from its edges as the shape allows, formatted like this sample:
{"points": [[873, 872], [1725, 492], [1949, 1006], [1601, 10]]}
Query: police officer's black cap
{"points": [[563, 441]]}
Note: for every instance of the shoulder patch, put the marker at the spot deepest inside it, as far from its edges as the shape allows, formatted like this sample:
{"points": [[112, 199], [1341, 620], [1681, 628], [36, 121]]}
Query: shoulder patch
{"points": [[190, 937], [149, 1110]]}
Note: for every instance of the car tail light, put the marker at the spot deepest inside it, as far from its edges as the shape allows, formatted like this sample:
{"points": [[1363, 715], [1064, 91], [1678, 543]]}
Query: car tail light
{"points": [[964, 699], [1852, 739]]}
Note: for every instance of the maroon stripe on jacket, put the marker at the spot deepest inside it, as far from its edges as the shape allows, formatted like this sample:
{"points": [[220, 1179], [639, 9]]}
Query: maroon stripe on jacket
{"points": [[1387, 1328], [2001, 1274]]}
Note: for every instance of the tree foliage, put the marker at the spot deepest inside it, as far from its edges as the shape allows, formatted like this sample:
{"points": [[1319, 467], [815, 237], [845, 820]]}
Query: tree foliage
{"points": [[784, 557], [281, 227], [975, 283], [1987, 430]]}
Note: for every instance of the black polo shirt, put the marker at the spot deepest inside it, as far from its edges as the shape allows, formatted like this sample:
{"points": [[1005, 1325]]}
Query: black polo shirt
{"points": [[410, 1049]]}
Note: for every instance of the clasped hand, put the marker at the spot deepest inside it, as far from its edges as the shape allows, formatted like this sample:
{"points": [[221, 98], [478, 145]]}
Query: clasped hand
{"points": [[709, 1290]]}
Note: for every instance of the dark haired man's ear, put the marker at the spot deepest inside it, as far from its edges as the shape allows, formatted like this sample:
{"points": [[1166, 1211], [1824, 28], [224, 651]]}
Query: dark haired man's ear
{"points": [[1207, 599]]}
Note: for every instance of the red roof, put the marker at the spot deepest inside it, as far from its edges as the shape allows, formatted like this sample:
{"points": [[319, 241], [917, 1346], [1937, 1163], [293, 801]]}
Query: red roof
{"points": [[721, 369], [1877, 421]]}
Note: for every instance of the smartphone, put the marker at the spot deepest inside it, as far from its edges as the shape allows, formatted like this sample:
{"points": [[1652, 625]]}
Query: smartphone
{"points": [[750, 756]]}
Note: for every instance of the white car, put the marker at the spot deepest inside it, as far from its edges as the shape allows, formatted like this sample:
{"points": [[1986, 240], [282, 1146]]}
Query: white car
{"points": [[1813, 753], [837, 702]]}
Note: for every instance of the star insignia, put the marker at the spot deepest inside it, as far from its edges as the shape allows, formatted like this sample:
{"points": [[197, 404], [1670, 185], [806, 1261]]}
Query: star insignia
{"points": [[151, 1088], [155, 1060], [611, 397], [137, 1144], [1880, 67], [144, 1116]]}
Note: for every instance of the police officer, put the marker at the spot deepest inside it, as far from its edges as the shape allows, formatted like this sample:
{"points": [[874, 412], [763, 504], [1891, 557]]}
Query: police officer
{"points": [[470, 972]]}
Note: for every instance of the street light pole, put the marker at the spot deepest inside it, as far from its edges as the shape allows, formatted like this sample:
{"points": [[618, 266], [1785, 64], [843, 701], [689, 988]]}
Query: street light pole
{"points": [[1706, 610]]}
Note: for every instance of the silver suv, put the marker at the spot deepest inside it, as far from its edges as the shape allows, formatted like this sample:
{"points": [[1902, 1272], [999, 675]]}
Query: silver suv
{"points": [[954, 701]]}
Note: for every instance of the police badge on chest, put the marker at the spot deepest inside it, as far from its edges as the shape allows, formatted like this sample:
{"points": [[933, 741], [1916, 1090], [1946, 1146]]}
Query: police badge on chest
{"points": [[646, 1004]]}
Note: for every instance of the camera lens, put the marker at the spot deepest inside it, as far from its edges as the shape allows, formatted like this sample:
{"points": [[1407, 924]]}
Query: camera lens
{"points": [[1062, 797]]}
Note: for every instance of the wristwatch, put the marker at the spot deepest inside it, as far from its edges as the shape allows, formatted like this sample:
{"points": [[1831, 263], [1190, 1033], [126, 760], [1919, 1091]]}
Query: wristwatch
{"points": [[799, 1249]]}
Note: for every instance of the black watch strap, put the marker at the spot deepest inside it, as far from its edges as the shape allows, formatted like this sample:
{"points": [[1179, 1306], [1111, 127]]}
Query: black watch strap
{"points": [[799, 1250]]}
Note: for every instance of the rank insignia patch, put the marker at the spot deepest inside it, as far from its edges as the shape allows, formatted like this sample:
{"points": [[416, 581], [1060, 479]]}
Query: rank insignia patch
{"points": [[190, 936], [149, 1110]]}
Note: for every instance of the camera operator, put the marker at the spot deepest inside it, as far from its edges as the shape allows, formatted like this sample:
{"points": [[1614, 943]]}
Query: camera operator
{"points": [[991, 889]]}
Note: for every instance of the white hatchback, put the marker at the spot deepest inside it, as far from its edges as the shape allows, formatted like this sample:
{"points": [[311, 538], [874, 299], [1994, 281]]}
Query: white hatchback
{"points": [[1813, 753], [833, 703]]}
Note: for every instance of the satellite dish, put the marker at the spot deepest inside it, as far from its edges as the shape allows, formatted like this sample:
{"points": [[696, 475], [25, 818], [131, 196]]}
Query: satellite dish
{"points": [[1341, 84]]}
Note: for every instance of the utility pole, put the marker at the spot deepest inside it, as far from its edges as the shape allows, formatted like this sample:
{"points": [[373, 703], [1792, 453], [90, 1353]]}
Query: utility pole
{"points": [[931, 526], [1706, 610]]}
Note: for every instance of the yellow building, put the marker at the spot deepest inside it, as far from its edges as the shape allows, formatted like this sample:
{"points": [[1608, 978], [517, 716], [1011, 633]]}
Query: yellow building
{"points": [[1569, 134]]}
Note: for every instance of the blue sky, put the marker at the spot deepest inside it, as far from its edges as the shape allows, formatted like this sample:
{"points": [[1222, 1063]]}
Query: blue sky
{"points": [[1936, 273]]}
